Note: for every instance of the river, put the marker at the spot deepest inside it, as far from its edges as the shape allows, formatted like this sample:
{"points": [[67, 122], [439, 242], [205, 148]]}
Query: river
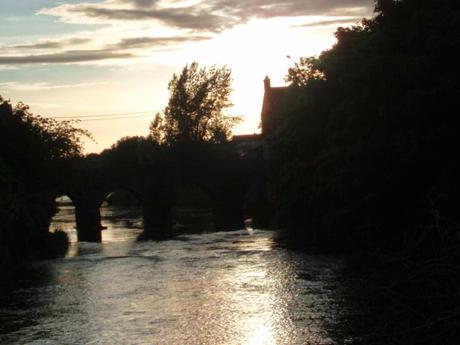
{"points": [[210, 288]]}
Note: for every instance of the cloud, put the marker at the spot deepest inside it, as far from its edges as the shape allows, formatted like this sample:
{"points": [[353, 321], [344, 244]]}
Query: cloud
{"points": [[143, 3], [185, 18], [245, 9], [43, 86], [190, 17], [49, 44], [150, 42], [209, 15], [121, 49], [197, 20], [328, 23], [72, 56]]}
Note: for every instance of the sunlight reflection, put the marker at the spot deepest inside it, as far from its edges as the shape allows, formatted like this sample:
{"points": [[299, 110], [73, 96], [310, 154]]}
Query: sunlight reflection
{"points": [[232, 288], [254, 242], [256, 299], [64, 219], [262, 336], [73, 250]]}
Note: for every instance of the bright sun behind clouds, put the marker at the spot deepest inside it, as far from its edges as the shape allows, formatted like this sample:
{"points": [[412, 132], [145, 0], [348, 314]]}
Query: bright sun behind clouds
{"points": [[81, 58]]}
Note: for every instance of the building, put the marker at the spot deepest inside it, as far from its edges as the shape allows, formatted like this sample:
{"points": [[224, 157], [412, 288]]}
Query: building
{"points": [[275, 102], [260, 199]]}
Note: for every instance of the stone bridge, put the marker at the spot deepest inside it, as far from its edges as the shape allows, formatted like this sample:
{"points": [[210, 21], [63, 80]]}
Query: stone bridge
{"points": [[153, 175]]}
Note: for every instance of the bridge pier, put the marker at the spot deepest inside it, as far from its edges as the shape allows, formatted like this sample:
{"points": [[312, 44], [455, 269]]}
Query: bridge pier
{"points": [[228, 216], [88, 219], [157, 220]]}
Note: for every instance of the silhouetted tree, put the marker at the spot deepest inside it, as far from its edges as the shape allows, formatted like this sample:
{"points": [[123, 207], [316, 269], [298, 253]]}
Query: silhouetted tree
{"points": [[367, 155], [195, 111], [305, 71], [369, 125], [32, 151], [62, 138], [130, 155]]}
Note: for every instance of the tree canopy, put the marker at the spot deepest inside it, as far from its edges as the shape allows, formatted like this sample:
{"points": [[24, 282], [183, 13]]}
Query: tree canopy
{"points": [[32, 150], [196, 108], [367, 156], [32, 145], [371, 119]]}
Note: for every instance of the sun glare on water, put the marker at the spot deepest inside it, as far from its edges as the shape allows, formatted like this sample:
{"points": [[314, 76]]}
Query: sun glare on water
{"points": [[261, 336]]}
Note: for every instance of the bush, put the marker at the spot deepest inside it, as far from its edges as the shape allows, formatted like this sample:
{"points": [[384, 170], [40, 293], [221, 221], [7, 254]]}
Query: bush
{"points": [[57, 244]]}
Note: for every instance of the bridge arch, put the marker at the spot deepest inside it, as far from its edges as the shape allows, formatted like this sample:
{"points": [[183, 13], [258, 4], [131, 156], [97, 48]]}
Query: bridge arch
{"points": [[225, 202], [192, 208], [121, 196], [63, 216]]}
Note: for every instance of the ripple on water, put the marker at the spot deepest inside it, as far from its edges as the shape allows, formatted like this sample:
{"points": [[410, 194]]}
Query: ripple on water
{"points": [[215, 288]]}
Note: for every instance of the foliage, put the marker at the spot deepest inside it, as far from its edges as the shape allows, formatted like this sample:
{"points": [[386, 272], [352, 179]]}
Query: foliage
{"points": [[132, 154], [367, 157], [61, 138], [34, 146], [305, 71], [370, 133], [195, 111], [32, 149], [57, 244]]}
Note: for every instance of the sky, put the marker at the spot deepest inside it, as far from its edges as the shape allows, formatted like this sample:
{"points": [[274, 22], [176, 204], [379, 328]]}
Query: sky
{"points": [[74, 58]]}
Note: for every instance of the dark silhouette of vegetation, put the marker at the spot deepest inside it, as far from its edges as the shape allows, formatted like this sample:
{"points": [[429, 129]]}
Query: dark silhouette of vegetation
{"points": [[131, 155], [32, 150], [371, 128], [366, 156], [187, 148], [193, 132], [57, 244], [195, 111]]}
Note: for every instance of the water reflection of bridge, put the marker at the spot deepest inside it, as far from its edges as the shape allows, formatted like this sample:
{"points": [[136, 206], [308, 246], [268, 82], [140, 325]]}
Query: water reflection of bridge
{"points": [[232, 180]]}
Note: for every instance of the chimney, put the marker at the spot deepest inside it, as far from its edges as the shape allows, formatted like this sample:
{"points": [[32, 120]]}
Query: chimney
{"points": [[267, 83]]}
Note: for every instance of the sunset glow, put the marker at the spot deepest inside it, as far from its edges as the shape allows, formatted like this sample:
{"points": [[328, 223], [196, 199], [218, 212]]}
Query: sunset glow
{"points": [[76, 58]]}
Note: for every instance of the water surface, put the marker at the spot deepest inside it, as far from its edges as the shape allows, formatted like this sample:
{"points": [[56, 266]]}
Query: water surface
{"points": [[211, 288]]}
